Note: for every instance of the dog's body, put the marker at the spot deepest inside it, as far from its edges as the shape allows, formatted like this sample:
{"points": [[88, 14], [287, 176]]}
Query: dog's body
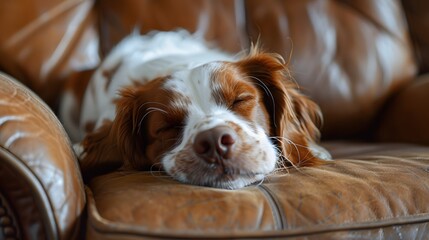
{"points": [[207, 117]]}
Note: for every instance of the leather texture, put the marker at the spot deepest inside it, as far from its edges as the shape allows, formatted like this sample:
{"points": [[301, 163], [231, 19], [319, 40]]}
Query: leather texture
{"points": [[211, 19], [406, 118], [418, 19], [366, 187], [43, 42], [361, 61], [313, 35], [358, 52], [39, 174]]}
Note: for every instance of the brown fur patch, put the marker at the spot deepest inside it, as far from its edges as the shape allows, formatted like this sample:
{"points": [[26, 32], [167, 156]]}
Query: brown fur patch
{"points": [[294, 118]]}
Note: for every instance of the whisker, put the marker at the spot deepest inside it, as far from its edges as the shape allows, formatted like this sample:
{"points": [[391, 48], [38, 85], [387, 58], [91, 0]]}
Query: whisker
{"points": [[146, 103], [141, 120], [159, 174], [150, 110], [158, 165], [284, 159], [260, 182], [268, 92], [157, 109], [286, 139]]}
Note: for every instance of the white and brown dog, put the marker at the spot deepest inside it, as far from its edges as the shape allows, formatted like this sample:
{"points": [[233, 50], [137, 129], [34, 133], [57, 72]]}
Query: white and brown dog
{"points": [[208, 118]]}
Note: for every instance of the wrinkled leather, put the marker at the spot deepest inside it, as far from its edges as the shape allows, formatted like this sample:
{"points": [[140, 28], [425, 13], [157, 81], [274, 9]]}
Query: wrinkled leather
{"points": [[314, 36], [406, 118], [43, 42], [369, 191], [35, 219], [215, 20], [349, 56], [369, 187], [40, 169]]}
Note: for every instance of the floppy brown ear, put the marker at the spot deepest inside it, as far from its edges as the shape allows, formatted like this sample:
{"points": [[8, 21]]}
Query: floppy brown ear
{"points": [[300, 130], [119, 142], [128, 125], [100, 153], [294, 117]]}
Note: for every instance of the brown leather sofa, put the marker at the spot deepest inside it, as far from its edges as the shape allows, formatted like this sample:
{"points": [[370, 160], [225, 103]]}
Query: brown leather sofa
{"points": [[363, 61]]}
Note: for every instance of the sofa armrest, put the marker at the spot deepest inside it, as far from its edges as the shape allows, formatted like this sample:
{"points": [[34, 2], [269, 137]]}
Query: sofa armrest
{"points": [[406, 118], [40, 179]]}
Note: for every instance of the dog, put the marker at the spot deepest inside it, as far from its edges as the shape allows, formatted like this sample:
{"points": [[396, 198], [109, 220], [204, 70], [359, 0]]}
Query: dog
{"points": [[206, 117]]}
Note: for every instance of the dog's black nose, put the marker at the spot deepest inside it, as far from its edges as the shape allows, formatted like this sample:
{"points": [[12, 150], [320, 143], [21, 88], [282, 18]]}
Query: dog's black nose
{"points": [[215, 144]]}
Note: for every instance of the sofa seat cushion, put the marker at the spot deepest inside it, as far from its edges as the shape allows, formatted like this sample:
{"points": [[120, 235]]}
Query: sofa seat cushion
{"points": [[369, 190]]}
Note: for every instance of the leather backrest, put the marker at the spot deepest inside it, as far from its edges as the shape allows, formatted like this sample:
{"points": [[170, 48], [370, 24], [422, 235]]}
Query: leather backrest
{"points": [[44, 42], [349, 56], [418, 22]]}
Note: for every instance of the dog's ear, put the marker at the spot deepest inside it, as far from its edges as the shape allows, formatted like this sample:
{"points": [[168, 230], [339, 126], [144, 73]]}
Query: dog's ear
{"points": [[128, 126], [98, 152], [115, 143], [120, 142], [294, 118]]}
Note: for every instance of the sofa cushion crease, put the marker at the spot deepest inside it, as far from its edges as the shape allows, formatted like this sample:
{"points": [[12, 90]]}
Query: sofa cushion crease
{"points": [[346, 195], [362, 62]]}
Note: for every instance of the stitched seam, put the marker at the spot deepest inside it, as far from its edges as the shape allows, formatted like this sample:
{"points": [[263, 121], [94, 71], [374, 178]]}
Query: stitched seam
{"points": [[276, 209], [105, 227], [271, 234]]}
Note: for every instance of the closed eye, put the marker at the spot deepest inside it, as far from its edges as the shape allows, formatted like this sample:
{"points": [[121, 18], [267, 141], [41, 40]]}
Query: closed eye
{"points": [[242, 99], [174, 121], [170, 127]]}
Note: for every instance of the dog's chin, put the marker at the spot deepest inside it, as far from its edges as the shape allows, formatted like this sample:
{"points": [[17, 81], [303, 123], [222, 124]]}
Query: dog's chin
{"points": [[225, 180], [235, 181], [242, 169]]}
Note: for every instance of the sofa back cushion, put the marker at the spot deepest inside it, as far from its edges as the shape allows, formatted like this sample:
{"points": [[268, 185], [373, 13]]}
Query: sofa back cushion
{"points": [[349, 56]]}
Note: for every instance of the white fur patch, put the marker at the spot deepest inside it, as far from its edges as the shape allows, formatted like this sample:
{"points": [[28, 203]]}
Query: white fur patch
{"points": [[203, 114], [140, 59], [190, 66]]}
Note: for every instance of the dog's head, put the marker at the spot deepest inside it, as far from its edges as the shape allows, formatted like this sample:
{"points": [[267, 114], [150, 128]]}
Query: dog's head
{"points": [[222, 124]]}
